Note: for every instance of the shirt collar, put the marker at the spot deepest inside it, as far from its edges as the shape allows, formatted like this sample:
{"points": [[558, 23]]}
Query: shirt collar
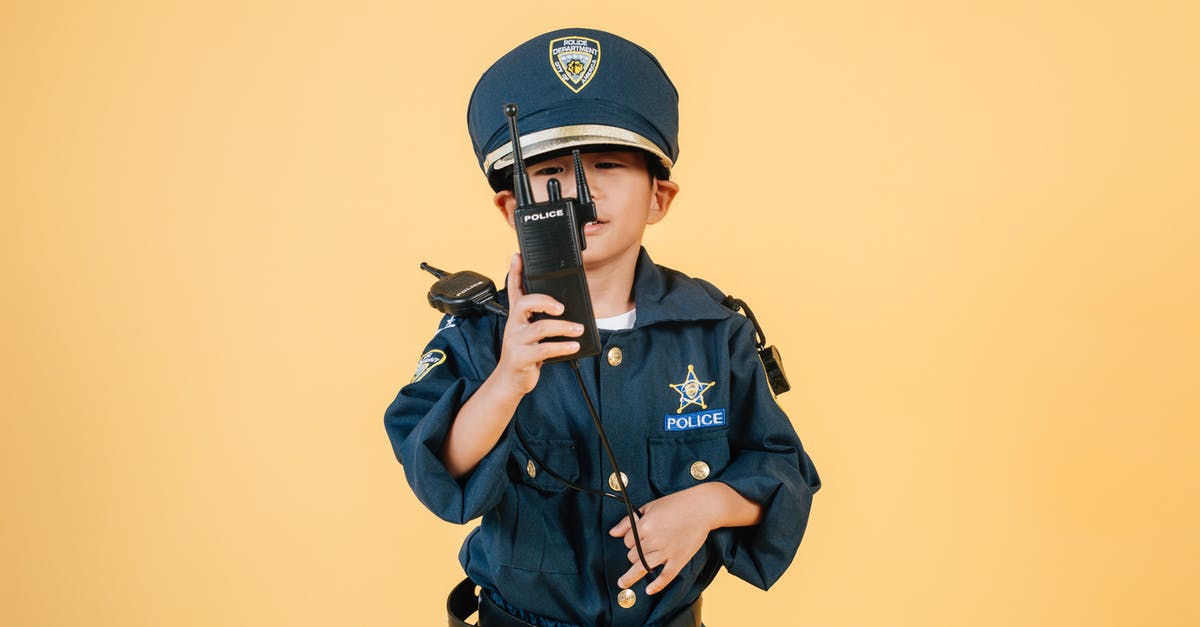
{"points": [[665, 295]]}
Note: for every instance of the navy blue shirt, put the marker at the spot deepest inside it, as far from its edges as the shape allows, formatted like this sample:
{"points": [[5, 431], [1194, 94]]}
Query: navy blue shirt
{"points": [[686, 402]]}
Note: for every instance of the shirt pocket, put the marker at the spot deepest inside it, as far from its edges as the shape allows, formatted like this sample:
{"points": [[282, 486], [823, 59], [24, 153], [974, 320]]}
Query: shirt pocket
{"points": [[543, 460], [539, 530], [678, 462]]}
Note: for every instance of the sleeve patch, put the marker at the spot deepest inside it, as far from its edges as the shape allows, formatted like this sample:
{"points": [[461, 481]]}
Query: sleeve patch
{"points": [[427, 363]]}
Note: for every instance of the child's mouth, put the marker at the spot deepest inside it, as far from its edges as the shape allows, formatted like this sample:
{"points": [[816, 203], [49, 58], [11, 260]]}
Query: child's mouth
{"points": [[592, 228]]}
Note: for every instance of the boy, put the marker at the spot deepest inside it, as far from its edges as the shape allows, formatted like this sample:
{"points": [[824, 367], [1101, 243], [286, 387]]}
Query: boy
{"points": [[485, 428]]}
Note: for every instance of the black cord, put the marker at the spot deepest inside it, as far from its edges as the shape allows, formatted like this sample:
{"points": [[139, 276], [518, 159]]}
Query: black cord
{"points": [[491, 306], [549, 471], [612, 459], [738, 304]]}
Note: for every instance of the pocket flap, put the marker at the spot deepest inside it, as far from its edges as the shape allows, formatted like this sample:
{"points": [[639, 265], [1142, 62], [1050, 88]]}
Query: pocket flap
{"points": [[679, 462], [545, 459]]}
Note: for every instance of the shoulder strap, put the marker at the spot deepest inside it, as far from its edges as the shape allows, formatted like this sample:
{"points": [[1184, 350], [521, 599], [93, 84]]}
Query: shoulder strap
{"points": [[772, 361]]}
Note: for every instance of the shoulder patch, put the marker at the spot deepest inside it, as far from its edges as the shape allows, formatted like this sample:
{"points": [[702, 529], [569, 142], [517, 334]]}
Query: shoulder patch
{"points": [[427, 363]]}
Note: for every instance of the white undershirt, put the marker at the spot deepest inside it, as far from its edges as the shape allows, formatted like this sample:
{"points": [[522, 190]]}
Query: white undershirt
{"points": [[618, 322]]}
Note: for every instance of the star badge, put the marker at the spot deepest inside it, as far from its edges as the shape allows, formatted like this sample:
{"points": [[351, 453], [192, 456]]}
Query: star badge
{"points": [[691, 391]]}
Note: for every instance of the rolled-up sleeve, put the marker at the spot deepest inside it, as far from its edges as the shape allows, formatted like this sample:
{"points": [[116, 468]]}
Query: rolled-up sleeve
{"points": [[419, 419], [770, 467]]}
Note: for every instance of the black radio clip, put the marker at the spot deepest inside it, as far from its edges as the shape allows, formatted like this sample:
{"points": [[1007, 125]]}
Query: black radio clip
{"points": [[462, 294]]}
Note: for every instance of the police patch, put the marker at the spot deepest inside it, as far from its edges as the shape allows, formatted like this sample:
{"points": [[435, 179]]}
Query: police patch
{"points": [[428, 362], [691, 391], [698, 420], [575, 60]]}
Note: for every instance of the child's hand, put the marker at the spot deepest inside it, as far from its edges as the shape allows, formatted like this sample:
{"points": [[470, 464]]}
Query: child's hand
{"points": [[523, 353], [672, 529]]}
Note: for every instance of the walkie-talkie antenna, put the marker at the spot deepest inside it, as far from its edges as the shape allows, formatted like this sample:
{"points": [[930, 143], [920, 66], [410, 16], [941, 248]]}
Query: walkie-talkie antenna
{"points": [[586, 208], [439, 273], [581, 188], [521, 188]]}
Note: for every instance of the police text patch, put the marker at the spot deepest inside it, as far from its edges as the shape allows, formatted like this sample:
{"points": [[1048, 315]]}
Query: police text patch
{"points": [[428, 362], [698, 420]]}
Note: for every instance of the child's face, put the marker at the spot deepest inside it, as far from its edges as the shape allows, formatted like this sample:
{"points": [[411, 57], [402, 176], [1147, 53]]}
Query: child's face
{"points": [[627, 199]]}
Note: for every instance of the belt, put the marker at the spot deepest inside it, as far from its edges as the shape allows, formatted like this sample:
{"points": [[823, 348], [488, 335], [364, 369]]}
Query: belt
{"points": [[463, 602]]}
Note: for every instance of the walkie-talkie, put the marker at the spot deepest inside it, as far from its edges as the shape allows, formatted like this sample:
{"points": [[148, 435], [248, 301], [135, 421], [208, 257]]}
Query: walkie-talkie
{"points": [[550, 235]]}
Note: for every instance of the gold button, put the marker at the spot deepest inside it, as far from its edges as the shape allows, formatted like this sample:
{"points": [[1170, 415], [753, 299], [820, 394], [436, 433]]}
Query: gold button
{"points": [[532, 470], [626, 598], [700, 471], [614, 356], [612, 481]]}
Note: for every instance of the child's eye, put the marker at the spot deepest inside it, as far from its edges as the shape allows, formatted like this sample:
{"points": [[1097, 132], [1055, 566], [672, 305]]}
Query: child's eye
{"points": [[548, 171], [604, 165]]}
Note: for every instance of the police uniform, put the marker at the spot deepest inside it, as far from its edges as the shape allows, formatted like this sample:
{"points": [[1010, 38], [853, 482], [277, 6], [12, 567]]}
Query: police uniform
{"points": [[544, 549], [682, 395]]}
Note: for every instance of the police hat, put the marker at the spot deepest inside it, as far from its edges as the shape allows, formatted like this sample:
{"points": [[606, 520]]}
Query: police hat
{"points": [[574, 87]]}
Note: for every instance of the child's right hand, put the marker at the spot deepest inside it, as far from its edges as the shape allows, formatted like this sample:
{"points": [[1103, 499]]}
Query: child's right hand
{"points": [[523, 352]]}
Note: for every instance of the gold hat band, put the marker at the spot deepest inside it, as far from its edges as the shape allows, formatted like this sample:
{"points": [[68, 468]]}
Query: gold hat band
{"points": [[551, 139]]}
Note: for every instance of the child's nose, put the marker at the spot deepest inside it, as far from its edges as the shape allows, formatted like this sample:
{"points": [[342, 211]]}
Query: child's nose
{"points": [[594, 190], [568, 184]]}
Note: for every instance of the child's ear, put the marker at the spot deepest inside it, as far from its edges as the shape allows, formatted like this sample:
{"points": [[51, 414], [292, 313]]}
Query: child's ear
{"points": [[506, 202], [662, 195]]}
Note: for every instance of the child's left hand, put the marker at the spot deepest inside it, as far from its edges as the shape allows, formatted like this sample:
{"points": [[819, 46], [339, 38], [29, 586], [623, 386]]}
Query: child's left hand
{"points": [[672, 529]]}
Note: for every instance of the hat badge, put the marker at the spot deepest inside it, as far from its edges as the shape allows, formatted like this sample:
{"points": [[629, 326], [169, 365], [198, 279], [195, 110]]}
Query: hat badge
{"points": [[575, 60]]}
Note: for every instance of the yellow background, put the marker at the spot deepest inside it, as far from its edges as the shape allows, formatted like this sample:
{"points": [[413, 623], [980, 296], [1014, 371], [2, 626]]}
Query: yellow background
{"points": [[971, 227]]}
